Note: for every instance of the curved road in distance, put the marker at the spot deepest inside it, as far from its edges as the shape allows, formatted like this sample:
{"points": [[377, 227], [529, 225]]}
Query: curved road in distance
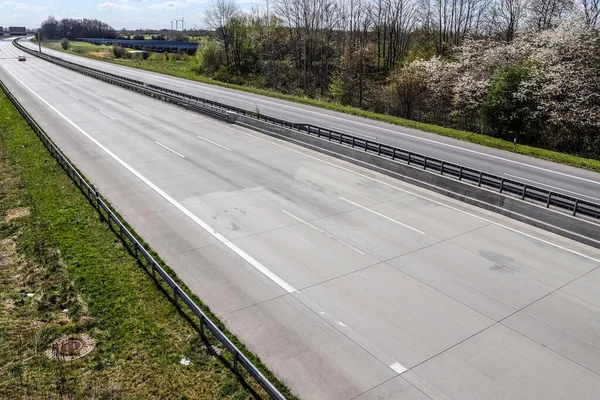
{"points": [[347, 283], [557, 177]]}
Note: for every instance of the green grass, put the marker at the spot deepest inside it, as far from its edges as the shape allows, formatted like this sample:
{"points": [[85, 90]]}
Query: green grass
{"points": [[185, 69], [59, 249]]}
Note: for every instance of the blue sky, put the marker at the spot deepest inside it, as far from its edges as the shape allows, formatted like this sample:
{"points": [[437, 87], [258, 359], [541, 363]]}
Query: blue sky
{"points": [[131, 14]]}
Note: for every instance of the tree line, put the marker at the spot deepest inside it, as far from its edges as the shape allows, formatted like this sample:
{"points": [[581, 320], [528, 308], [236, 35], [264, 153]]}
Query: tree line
{"points": [[72, 28], [507, 68]]}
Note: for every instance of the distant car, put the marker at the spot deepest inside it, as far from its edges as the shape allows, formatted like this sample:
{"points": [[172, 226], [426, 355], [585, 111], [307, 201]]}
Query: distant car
{"points": [[22, 58]]}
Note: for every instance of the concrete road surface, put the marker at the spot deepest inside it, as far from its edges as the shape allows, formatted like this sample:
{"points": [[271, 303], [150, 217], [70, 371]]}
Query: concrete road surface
{"points": [[560, 178], [347, 283]]}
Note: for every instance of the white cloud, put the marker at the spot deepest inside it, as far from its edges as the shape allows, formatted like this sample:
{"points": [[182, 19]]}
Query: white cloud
{"points": [[20, 6], [109, 5], [168, 5]]}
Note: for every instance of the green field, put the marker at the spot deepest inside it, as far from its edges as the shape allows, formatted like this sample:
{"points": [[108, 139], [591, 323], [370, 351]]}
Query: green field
{"points": [[54, 246]]}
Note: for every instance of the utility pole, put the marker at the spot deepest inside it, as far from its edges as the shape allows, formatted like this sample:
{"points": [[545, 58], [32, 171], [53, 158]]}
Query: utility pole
{"points": [[39, 37]]}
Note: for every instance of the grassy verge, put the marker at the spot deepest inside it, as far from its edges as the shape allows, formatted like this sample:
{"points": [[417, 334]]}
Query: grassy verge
{"points": [[183, 69], [63, 271]]}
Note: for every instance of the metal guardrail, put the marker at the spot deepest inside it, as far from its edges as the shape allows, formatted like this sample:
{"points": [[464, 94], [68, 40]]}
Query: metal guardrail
{"points": [[570, 204], [178, 294]]}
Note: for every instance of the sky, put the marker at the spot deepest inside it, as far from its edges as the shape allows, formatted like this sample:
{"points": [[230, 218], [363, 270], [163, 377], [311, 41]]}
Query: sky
{"points": [[130, 14]]}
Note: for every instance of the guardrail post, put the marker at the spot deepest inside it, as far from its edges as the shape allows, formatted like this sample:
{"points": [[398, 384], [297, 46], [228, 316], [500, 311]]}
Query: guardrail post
{"points": [[353, 141], [524, 192], [408, 162], [235, 362], [549, 198], [501, 185], [575, 208], [319, 132], [379, 149], [425, 163], [480, 176], [393, 153], [460, 173], [442, 169]]}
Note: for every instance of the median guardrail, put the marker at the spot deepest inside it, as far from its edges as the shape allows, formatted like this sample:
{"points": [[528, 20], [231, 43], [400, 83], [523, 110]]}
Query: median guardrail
{"points": [[153, 267], [550, 199]]}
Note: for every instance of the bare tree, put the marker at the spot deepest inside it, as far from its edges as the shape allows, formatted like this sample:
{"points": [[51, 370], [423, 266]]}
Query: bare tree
{"points": [[591, 9], [546, 13], [509, 15], [218, 16]]}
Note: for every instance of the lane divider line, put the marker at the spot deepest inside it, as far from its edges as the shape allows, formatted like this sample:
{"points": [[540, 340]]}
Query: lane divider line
{"points": [[398, 368], [75, 97], [140, 111], [102, 112], [171, 150], [382, 215], [329, 235], [232, 246], [216, 144]]}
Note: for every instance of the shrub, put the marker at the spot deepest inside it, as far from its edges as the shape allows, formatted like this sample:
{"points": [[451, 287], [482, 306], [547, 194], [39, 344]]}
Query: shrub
{"points": [[506, 114], [119, 51], [65, 44]]}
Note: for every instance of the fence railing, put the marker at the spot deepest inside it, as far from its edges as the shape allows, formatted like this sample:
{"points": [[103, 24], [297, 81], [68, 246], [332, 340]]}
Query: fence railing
{"points": [[548, 198], [179, 296]]}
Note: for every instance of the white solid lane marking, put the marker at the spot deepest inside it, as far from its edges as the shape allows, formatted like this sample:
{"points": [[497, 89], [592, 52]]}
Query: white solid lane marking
{"points": [[171, 150], [102, 112], [140, 111], [329, 235], [340, 323], [233, 247], [419, 196], [73, 96], [398, 368], [552, 187], [382, 215], [216, 144], [100, 94]]}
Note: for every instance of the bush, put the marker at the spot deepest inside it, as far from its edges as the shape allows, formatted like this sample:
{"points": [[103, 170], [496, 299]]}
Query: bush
{"points": [[405, 92], [65, 44], [506, 114], [210, 58], [119, 51]]}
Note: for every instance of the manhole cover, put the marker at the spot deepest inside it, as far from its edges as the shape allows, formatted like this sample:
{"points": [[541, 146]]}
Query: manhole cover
{"points": [[71, 347]]}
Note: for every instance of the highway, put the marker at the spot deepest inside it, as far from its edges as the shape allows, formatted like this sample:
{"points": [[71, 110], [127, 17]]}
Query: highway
{"points": [[348, 284], [564, 179]]}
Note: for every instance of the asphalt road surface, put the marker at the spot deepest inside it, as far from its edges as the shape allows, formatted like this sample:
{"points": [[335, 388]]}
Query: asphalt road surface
{"points": [[560, 178], [347, 283]]}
